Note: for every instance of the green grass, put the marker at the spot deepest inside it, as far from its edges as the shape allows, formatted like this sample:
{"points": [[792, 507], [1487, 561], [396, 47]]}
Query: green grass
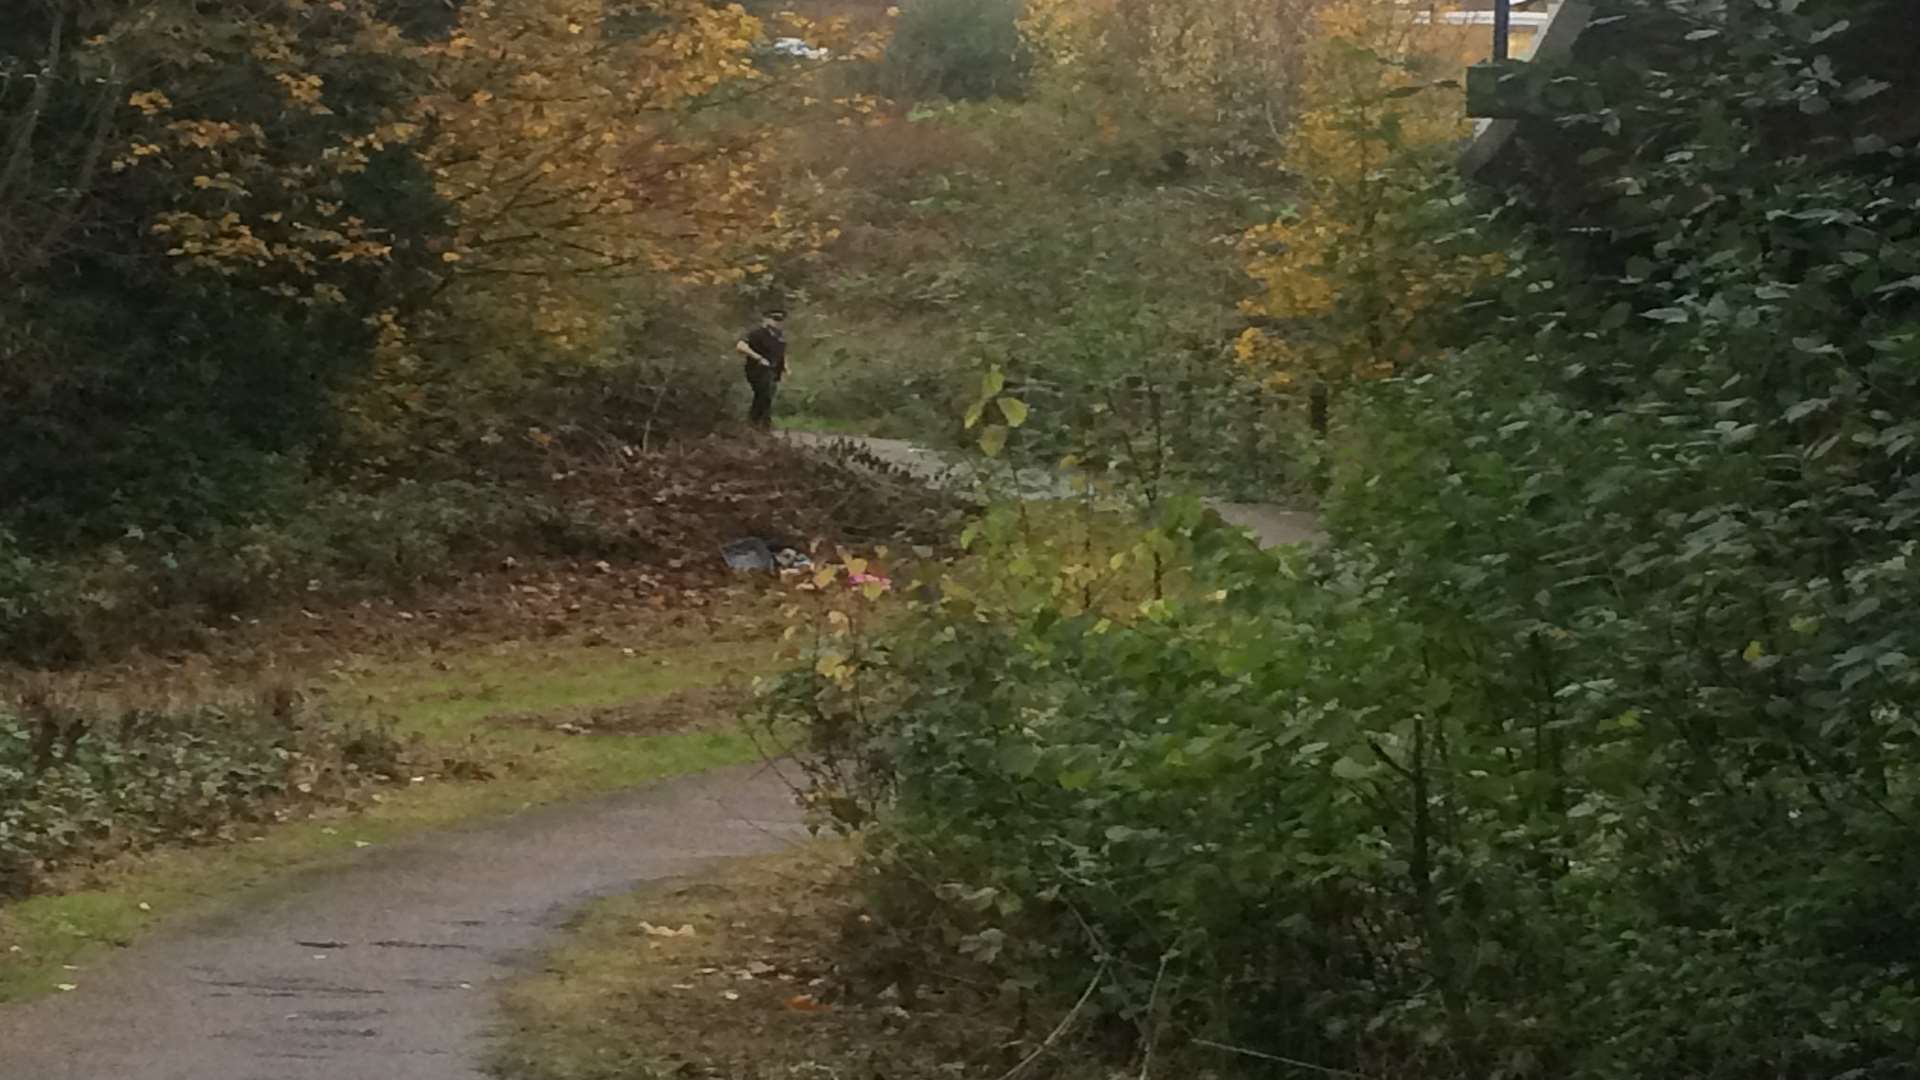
{"points": [[455, 709]]}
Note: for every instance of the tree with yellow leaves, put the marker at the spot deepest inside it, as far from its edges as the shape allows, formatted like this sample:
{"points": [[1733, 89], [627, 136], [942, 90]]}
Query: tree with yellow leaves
{"points": [[572, 147], [1214, 78], [583, 145], [200, 210], [1345, 281], [223, 233]]}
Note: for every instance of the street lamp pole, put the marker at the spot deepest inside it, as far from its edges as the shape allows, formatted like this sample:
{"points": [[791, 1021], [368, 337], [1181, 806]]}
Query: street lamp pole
{"points": [[1502, 26]]}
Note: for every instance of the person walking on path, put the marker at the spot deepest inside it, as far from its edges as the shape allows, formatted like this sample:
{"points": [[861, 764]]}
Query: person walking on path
{"points": [[765, 350]]}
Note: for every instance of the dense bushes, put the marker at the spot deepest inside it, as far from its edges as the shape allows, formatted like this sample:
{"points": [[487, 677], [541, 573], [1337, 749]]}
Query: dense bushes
{"points": [[170, 356], [1285, 809], [1589, 752]]}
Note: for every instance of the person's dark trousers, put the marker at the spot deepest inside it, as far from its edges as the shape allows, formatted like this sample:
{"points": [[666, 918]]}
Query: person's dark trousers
{"points": [[760, 377]]}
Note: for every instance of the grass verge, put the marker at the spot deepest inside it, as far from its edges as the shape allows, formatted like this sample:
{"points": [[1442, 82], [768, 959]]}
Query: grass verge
{"points": [[747, 974]]}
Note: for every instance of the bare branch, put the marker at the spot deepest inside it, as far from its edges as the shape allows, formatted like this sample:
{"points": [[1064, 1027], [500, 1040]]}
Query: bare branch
{"points": [[1060, 1030]]}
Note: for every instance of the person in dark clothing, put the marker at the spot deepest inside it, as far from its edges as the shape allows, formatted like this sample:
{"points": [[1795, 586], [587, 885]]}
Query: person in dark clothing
{"points": [[765, 350]]}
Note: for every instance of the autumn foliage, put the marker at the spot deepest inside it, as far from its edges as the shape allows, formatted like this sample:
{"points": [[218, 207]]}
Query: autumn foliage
{"points": [[285, 231], [1214, 79], [1345, 279]]}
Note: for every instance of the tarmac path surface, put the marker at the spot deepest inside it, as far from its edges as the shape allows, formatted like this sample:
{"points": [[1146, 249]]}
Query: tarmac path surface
{"points": [[1272, 523], [382, 969]]}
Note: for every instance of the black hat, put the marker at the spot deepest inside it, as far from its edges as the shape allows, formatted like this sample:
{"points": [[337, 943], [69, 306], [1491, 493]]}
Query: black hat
{"points": [[776, 313]]}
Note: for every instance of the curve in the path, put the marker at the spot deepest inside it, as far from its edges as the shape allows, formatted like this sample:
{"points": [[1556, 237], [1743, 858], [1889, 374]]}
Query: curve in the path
{"points": [[382, 970], [1272, 524]]}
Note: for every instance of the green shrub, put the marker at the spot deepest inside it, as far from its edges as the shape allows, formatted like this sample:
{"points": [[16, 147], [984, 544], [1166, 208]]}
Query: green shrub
{"points": [[137, 387], [959, 49], [1590, 752], [1285, 808]]}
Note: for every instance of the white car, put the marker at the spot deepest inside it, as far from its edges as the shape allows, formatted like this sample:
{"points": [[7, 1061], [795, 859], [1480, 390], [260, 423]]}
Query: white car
{"points": [[797, 47]]}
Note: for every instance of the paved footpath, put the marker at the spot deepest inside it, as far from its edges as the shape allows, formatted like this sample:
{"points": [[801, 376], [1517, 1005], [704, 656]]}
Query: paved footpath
{"points": [[384, 969], [1273, 524]]}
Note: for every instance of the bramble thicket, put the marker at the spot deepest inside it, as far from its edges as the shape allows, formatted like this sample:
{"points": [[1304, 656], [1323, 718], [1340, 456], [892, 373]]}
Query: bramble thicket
{"points": [[1587, 747]]}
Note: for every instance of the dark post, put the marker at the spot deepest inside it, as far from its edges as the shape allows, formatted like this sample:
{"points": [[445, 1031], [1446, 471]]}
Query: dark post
{"points": [[1502, 27]]}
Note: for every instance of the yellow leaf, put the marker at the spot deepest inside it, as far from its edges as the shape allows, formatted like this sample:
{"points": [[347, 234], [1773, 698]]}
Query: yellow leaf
{"points": [[150, 102]]}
